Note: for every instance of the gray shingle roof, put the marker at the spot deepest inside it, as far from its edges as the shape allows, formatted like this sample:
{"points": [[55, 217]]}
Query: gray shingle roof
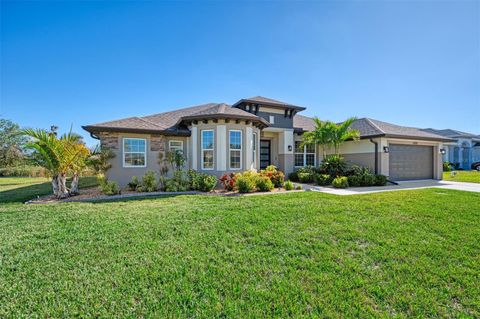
{"points": [[270, 102], [374, 128], [452, 133], [169, 122]]}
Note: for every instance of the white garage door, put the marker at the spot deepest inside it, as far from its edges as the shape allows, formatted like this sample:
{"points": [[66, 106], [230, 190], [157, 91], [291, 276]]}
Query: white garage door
{"points": [[409, 162]]}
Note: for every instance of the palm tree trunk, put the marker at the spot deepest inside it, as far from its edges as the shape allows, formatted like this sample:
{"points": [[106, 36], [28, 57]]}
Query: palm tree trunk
{"points": [[74, 186], [55, 187], [62, 186]]}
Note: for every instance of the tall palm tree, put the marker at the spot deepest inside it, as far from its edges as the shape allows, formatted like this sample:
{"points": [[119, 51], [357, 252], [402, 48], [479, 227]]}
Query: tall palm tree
{"points": [[322, 135], [59, 156], [342, 132]]}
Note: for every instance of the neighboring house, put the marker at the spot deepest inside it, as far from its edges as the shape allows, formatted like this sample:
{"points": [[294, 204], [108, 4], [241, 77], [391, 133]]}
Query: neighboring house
{"points": [[463, 150], [253, 133]]}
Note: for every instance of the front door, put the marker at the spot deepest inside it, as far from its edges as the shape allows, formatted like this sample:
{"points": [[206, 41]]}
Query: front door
{"points": [[264, 153]]}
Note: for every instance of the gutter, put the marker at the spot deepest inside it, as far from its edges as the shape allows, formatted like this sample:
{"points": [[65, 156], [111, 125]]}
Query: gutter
{"points": [[376, 161]]}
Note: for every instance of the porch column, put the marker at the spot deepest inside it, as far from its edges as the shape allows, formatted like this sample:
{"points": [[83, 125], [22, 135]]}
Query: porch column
{"points": [[194, 152], [221, 142], [249, 148], [285, 151]]}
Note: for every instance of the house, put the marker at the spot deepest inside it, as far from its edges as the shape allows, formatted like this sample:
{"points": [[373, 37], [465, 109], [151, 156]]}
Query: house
{"points": [[463, 150], [253, 133]]}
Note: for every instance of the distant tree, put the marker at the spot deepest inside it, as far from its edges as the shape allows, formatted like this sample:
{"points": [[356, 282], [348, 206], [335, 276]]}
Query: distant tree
{"points": [[12, 144]]}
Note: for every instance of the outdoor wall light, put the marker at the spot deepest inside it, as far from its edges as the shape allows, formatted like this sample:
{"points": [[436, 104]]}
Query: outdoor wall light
{"points": [[386, 149], [443, 151], [289, 148]]}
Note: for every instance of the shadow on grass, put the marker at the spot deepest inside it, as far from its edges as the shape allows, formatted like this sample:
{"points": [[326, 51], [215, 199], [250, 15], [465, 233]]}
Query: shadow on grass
{"points": [[127, 199]]}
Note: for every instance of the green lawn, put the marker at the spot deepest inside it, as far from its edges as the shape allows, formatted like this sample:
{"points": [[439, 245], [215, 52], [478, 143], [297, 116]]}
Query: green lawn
{"points": [[463, 176], [394, 254], [21, 189]]}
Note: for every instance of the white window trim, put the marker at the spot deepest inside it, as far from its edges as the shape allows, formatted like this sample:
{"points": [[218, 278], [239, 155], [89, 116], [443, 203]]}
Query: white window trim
{"points": [[207, 149], [304, 153], [234, 149], [144, 152], [170, 144], [271, 119], [254, 149]]}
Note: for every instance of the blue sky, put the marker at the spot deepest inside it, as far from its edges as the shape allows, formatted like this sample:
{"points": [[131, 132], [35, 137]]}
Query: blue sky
{"points": [[77, 63]]}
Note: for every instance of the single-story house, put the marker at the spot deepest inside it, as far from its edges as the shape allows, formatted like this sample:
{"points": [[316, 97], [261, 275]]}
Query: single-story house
{"points": [[463, 150], [218, 138]]}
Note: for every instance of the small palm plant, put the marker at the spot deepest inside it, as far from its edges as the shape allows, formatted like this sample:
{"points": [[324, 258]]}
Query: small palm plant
{"points": [[343, 132], [322, 135], [59, 156]]}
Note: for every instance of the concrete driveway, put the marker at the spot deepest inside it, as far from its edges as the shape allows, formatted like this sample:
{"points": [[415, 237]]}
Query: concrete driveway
{"points": [[406, 185]]}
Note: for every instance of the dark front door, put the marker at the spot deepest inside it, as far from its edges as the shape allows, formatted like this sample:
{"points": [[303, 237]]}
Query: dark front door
{"points": [[264, 153]]}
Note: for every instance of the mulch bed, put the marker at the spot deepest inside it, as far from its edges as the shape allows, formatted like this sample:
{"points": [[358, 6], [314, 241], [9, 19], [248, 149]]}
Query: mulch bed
{"points": [[94, 194]]}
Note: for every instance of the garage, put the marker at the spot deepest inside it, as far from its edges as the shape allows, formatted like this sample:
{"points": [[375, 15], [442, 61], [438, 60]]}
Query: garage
{"points": [[409, 162]]}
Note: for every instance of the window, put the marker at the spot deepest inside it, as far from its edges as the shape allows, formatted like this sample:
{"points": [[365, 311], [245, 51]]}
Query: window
{"points": [[271, 119], [175, 146], [207, 149], [254, 149], [304, 155], [235, 142], [134, 152]]}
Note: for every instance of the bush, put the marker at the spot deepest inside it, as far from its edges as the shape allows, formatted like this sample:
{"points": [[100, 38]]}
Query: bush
{"points": [[293, 176], [228, 181], [23, 171], [110, 188], [340, 182], [149, 182], [133, 183], [246, 182], [276, 177], [323, 179], [380, 180], [334, 165], [447, 166], [288, 186], [264, 184], [368, 180], [357, 170], [180, 182], [299, 187], [305, 177], [201, 182], [354, 180]]}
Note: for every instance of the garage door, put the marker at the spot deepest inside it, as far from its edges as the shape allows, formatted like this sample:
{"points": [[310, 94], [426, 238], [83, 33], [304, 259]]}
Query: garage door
{"points": [[409, 162]]}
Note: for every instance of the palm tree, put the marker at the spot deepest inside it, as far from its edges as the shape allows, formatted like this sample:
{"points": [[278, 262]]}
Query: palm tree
{"points": [[322, 135], [342, 132], [59, 156]]}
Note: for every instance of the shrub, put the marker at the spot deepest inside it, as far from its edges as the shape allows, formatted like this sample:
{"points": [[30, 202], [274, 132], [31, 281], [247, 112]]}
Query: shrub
{"points": [[293, 176], [110, 188], [149, 182], [323, 179], [276, 177], [264, 184], [447, 166], [380, 180], [299, 187], [201, 182], [288, 186], [368, 180], [354, 180], [246, 182], [23, 171], [228, 181], [334, 165], [305, 177], [340, 182], [133, 183], [180, 182], [357, 170]]}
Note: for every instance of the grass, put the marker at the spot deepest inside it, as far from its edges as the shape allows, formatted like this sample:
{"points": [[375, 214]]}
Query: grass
{"points": [[463, 176], [395, 254], [21, 189]]}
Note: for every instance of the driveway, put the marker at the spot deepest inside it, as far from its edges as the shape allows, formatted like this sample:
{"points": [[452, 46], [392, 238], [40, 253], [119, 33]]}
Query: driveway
{"points": [[406, 185]]}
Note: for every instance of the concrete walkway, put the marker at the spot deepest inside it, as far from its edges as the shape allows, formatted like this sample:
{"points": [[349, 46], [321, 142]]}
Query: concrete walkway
{"points": [[406, 185]]}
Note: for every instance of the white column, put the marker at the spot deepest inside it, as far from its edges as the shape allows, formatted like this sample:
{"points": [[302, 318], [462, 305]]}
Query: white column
{"points": [[249, 148], [194, 143], [285, 139], [221, 148]]}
